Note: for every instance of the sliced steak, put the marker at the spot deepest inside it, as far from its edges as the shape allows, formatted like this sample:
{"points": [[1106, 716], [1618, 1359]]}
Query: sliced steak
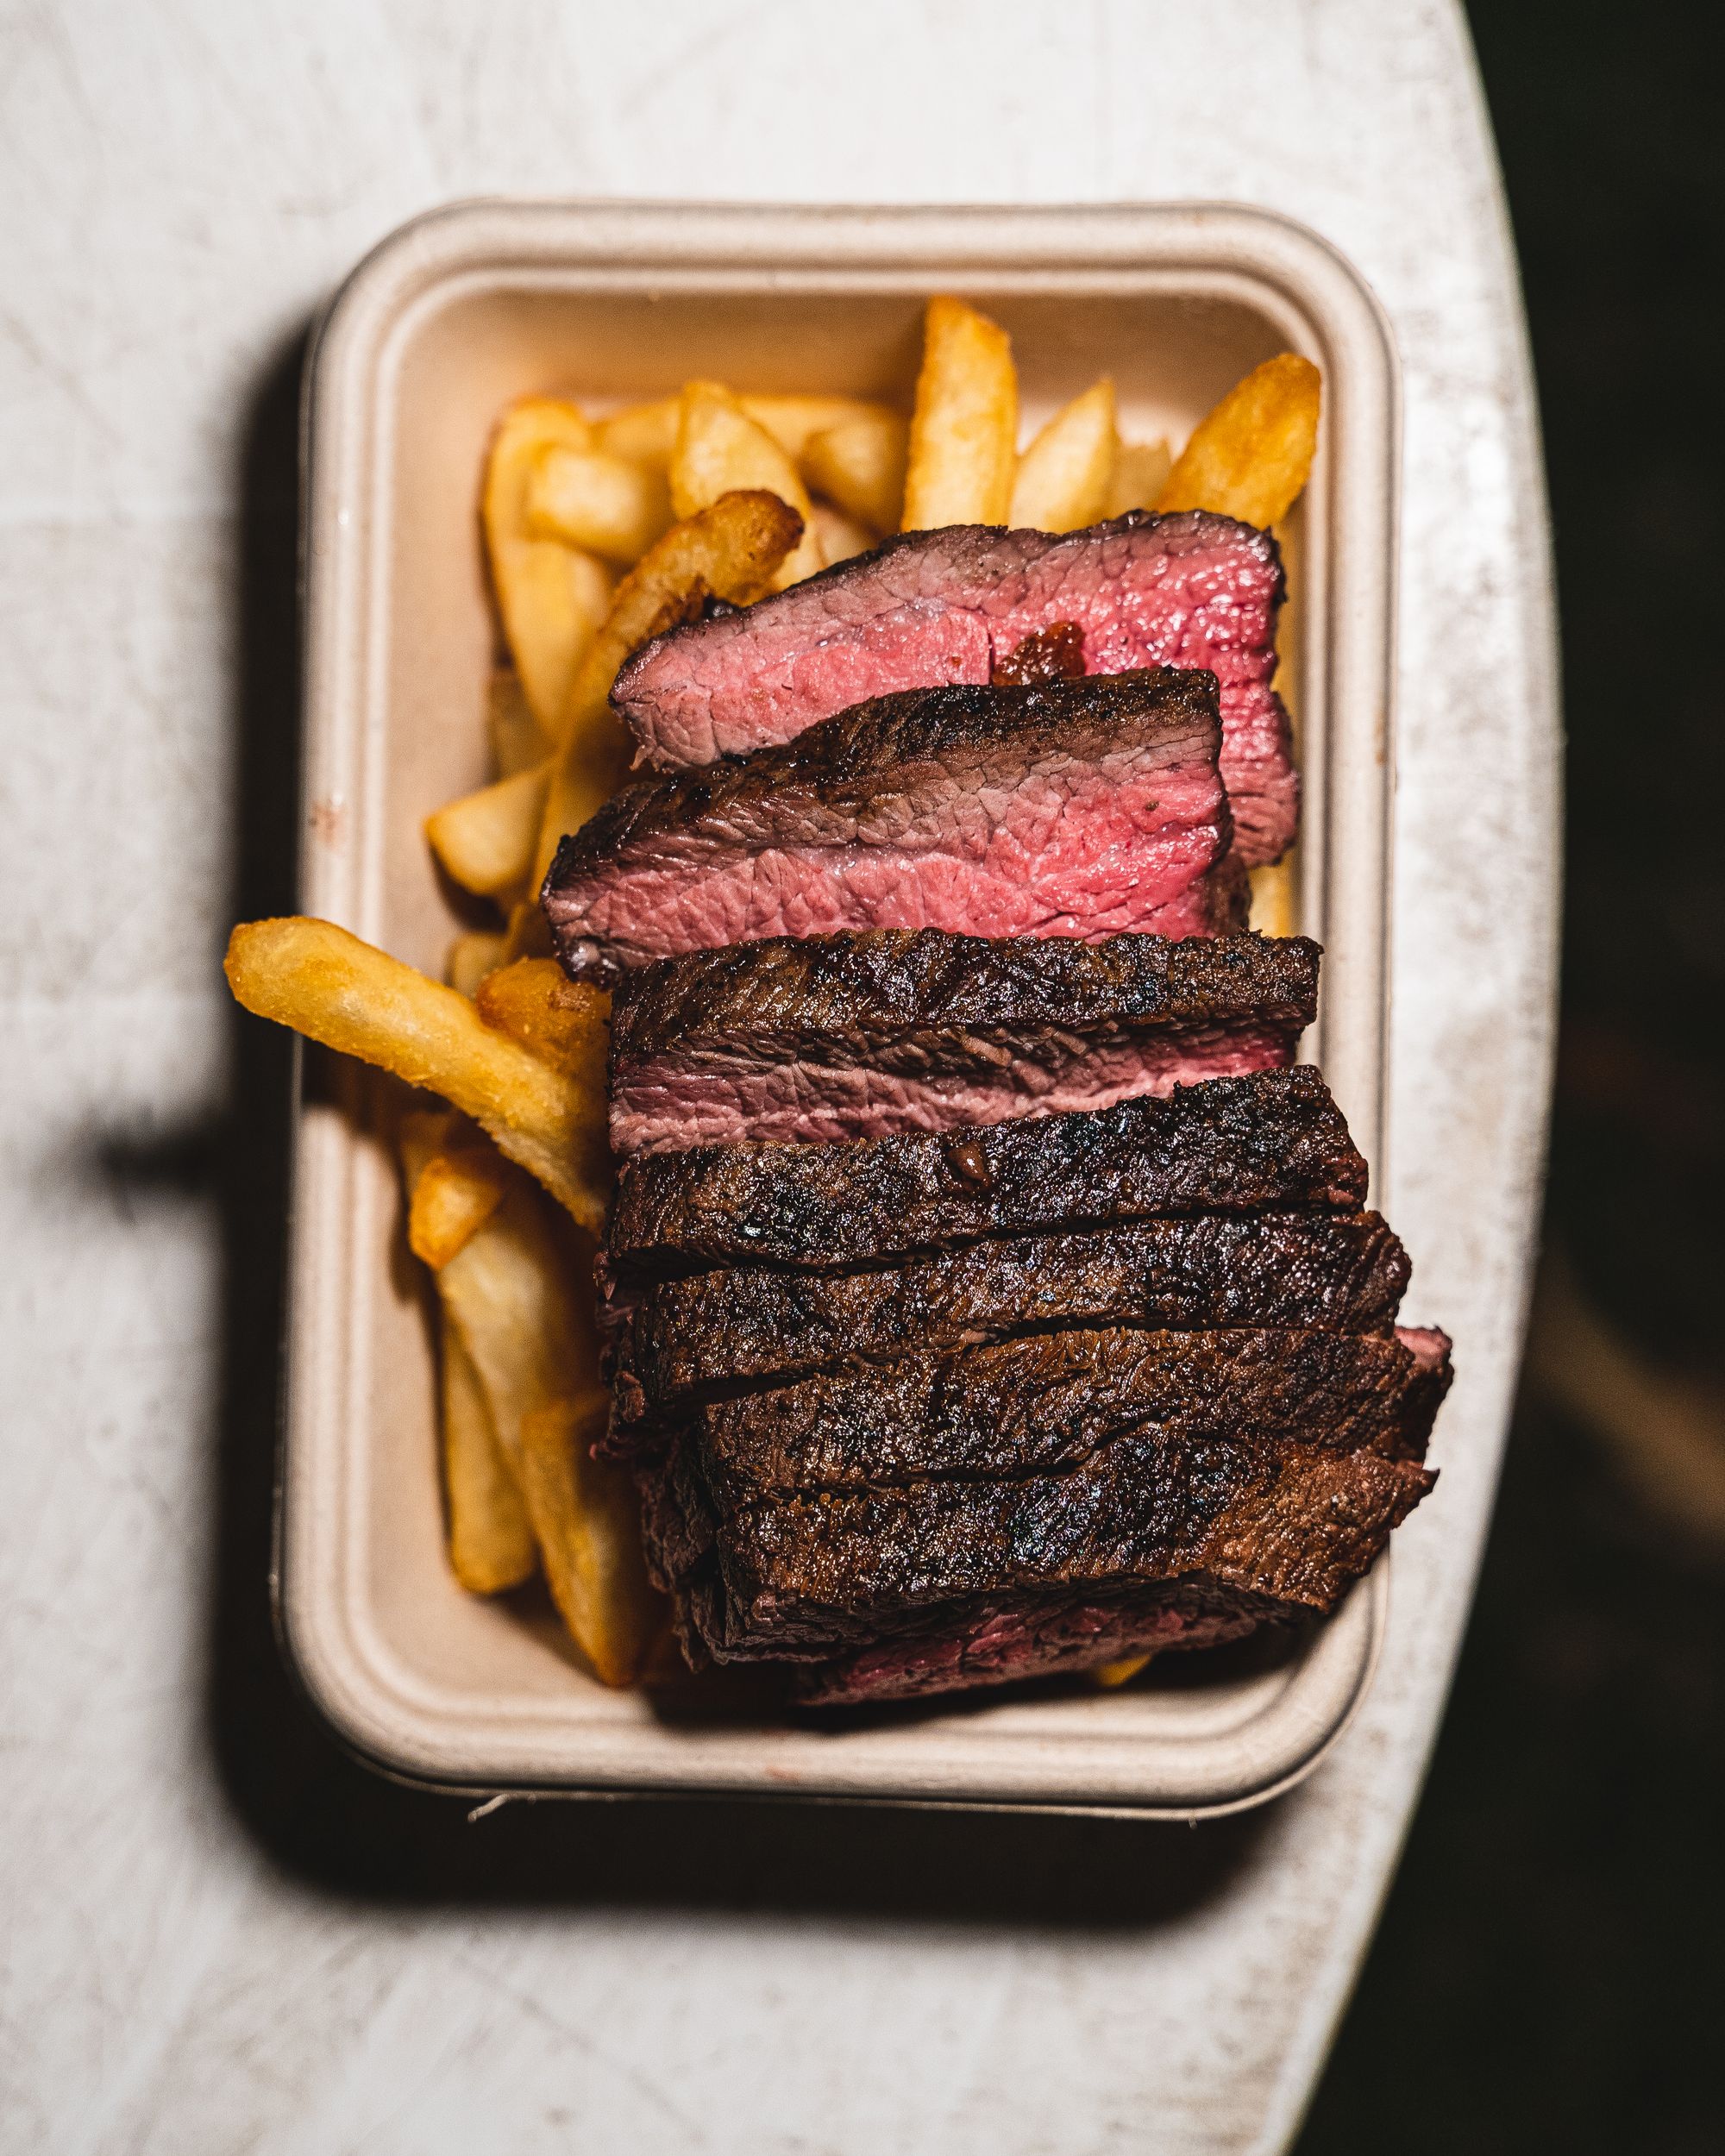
{"points": [[1235, 1145], [1191, 590], [820, 1038], [804, 1577], [743, 1328], [1056, 1401], [1079, 808]]}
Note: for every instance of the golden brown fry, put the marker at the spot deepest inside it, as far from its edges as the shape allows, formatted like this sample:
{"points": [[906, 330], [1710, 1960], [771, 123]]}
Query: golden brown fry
{"points": [[491, 1537], [1275, 898], [552, 598], [720, 450], [645, 433], [860, 464], [565, 1022], [455, 1194], [472, 955], [327, 984], [964, 438], [1063, 478], [1110, 1674], [585, 1516], [1140, 472], [794, 421], [486, 841], [728, 551], [589, 499], [516, 739], [1250, 457], [841, 536]]}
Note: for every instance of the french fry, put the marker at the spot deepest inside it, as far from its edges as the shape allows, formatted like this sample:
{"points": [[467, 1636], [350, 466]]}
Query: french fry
{"points": [[486, 841], [455, 1194], [472, 955], [590, 498], [963, 437], [325, 983], [1063, 478], [860, 465], [1275, 898], [720, 450], [841, 536], [645, 434], [728, 551], [587, 1521], [565, 1022], [516, 738], [1250, 456], [552, 598], [1108, 1675], [794, 422], [1140, 472], [491, 1537]]}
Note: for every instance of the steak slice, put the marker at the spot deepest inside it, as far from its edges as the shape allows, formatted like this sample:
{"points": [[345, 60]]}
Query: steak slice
{"points": [[1190, 590], [1234, 1144], [1078, 808], [806, 1576], [1056, 1402], [745, 1327], [798, 1040]]}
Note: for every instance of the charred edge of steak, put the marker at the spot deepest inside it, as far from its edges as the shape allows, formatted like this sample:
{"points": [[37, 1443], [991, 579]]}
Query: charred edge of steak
{"points": [[1231, 1145], [746, 1328], [821, 989], [843, 760]]}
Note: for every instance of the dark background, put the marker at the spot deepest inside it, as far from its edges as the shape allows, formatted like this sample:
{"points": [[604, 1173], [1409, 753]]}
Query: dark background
{"points": [[1544, 1977], [1547, 1972]]}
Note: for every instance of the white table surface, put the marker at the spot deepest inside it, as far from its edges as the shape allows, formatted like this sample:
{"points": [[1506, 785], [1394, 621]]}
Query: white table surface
{"points": [[218, 1935]]}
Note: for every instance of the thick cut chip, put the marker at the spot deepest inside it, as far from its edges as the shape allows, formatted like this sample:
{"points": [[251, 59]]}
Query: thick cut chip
{"points": [[794, 421], [1140, 472], [552, 598], [963, 437], [486, 841], [1063, 478], [567, 1023], [841, 536], [1251, 456], [327, 984], [472, 955], [587, 1521], [606, 504], [860, 464], [645, 434], [729, 551], [720, 449], [491, 1537], [516, 738], [1276, 899], [455, 1192]]}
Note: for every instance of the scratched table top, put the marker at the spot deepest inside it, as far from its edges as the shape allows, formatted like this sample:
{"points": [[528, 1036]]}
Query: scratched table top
{"points": [[220, 1932]]}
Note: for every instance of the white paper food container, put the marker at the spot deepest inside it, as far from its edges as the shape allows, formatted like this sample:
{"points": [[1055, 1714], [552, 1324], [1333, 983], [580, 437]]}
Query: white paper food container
{"points": [[446, 323]]}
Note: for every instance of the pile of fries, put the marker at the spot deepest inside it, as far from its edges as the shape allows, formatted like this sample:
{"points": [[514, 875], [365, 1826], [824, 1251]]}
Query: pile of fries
{"points": [[600, 533]]}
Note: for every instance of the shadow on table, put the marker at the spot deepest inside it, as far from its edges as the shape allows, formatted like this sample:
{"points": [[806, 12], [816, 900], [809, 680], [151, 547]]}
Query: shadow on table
{"points": [[333, 1824]]}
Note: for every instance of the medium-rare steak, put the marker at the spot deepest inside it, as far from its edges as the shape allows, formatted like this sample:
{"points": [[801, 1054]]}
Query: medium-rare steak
{"points": [[819, 1038], [1191, 590], [1079, 808], [1234, 1144], [804, 1575], [747, 1327], [1054, 1401]]}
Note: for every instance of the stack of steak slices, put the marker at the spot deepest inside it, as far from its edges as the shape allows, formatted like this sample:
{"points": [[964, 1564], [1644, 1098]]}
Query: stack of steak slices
{"points": [[986, 1293]]}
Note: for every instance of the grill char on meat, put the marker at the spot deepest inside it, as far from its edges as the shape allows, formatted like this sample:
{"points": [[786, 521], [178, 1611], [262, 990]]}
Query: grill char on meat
{"points": [[1079, 808], [1235, 1145], [1189, 590], [745, 1327], [819, 1038]]}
